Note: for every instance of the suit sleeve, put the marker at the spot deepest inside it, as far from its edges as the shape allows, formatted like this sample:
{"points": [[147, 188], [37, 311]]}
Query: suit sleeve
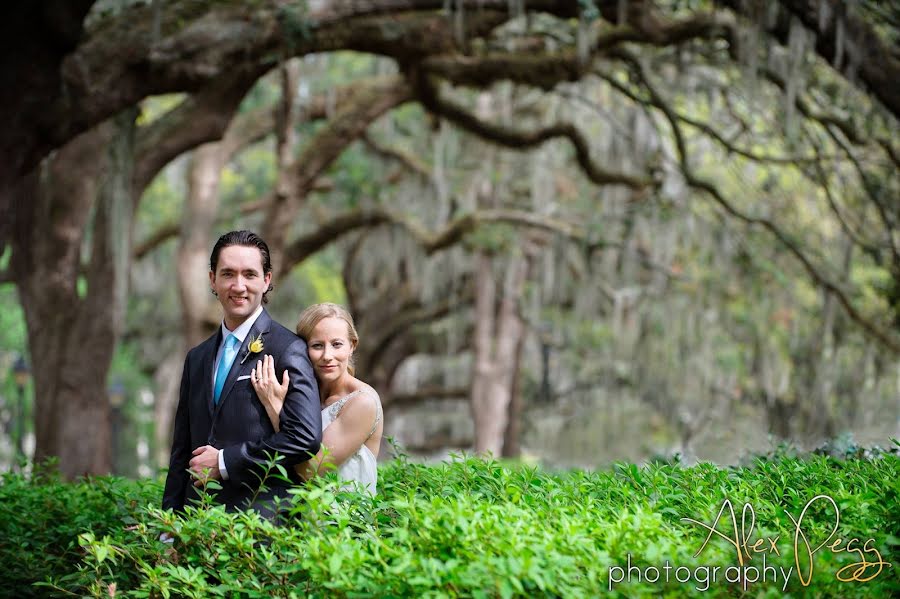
{"points": [[178, 479], [300, 423]]}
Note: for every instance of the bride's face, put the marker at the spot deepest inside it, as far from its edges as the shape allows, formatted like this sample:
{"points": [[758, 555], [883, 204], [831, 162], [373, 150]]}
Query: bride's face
{"points": [[330, 349]]}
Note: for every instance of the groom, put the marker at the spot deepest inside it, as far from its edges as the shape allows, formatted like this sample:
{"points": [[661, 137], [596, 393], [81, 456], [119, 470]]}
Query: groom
{"points": [[221, 428]]}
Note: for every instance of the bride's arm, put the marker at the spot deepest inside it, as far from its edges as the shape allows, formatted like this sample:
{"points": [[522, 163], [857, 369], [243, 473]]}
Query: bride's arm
{"points": [[270, 393], [346, 434]]}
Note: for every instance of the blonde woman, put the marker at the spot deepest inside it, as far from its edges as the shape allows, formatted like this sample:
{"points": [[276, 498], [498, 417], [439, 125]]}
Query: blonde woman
{"points": [[352, 422]]}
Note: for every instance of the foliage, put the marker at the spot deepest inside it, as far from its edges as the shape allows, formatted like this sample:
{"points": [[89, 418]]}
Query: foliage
{"points": [[469, 527], [12, 321], [321, 279], [13, 346], [42, 517]]}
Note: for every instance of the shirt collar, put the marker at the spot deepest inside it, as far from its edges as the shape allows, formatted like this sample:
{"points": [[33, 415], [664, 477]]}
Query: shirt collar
{"points": [[241, 331]]}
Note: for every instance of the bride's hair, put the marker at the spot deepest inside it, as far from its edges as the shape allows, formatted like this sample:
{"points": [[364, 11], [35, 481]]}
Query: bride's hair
{"points": [[310, 317]]}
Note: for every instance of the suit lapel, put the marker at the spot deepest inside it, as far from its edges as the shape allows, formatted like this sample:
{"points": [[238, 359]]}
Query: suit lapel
{"points": [[209, 363], [259, 328]]}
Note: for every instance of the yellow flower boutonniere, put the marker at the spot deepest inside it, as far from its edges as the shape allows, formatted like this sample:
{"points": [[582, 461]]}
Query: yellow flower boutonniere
{"points": [[255, 347]]}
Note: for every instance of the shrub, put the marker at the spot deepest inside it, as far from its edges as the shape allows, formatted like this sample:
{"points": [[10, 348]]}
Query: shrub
{"points": [[469, 527], [41, 518]]}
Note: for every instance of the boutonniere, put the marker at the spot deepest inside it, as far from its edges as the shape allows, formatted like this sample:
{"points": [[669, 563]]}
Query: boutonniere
{"points": [[255, 347]]}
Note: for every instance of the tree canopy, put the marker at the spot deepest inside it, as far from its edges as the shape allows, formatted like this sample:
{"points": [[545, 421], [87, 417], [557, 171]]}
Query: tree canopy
{"points": [[562, 162]]}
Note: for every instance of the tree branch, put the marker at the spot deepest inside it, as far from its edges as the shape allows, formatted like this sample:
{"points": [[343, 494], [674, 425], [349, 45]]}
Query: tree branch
{"points": [[863, 52], [408, 160], [831, 122], [705, 128], [844, 125], [871, 193], [694, 181], [822, 179], [245, 129], [430, 242], [155, 239], [504, 136], [408, 317], [203, 117], [191, 44], [371, 99], [546, 70], [402, 400], [208, 116], [827, 123]]}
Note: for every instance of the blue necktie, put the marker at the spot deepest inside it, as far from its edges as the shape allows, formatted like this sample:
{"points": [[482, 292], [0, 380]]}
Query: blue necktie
{"points": [[228, 353]]}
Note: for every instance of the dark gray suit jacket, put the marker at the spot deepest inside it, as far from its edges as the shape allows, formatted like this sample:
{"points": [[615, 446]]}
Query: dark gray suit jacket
{"points": [[238, 425]]}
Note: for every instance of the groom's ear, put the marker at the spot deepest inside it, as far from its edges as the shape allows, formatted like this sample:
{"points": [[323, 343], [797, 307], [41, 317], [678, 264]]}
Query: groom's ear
{"points": [[212, 280]]}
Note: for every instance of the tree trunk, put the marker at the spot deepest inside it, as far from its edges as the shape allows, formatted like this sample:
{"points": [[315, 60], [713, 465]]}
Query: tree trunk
{"points": [[511, 442], [297, 178], [74, 311], [498, 329], [512, 447], [823, 413], [780, 413], [198, 309], [200, 211], [167, 380]]}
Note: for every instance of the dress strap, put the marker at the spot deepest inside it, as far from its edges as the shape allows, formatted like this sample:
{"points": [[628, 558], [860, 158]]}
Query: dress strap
{"points": [[339, 405], [377, 417]]}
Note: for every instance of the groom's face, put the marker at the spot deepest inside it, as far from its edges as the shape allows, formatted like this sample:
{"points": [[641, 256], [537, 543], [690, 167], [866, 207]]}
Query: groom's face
{"points": [[239, 282]]}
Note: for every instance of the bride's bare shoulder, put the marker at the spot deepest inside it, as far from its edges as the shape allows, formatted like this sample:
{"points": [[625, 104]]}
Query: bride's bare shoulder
{"points": [[369, 390], [363, 388]]}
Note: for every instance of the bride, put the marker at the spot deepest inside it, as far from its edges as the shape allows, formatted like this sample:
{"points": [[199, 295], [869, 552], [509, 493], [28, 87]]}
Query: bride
{"points": [[352, 422]]}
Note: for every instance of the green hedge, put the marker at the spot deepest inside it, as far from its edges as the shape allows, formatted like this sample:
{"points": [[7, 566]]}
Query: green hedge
{"points": [[469, 527]]}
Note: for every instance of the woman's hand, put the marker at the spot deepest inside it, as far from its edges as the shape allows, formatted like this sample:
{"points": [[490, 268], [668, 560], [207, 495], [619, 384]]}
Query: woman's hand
{"points": [[270, 393]]}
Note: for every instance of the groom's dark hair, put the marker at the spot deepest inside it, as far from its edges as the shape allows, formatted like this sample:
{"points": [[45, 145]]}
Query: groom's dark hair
{"points": [[248, 239]]}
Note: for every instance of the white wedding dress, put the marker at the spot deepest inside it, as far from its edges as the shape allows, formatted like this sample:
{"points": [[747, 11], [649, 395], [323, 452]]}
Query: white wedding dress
{"points": [[361, 467]]}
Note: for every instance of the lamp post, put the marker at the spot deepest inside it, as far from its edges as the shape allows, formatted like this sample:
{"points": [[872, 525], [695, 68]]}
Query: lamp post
{"points": [[116, 400], [546, 340], [21, 374]]}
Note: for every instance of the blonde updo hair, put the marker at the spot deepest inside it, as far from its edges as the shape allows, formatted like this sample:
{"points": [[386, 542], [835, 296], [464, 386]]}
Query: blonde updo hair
{"points": [[310, 317]]}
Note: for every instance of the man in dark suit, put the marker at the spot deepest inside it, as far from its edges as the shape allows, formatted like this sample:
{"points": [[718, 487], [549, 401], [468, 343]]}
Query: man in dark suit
{"points": [[221, 428]]}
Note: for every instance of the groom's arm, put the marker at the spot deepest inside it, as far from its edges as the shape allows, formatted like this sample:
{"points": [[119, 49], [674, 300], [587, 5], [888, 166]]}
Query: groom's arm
{"points": [[178, 479], [300, 433]]}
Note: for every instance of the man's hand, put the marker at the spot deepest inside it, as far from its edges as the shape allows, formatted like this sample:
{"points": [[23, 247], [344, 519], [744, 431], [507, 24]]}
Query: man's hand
{"points": [[205, 465]]}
